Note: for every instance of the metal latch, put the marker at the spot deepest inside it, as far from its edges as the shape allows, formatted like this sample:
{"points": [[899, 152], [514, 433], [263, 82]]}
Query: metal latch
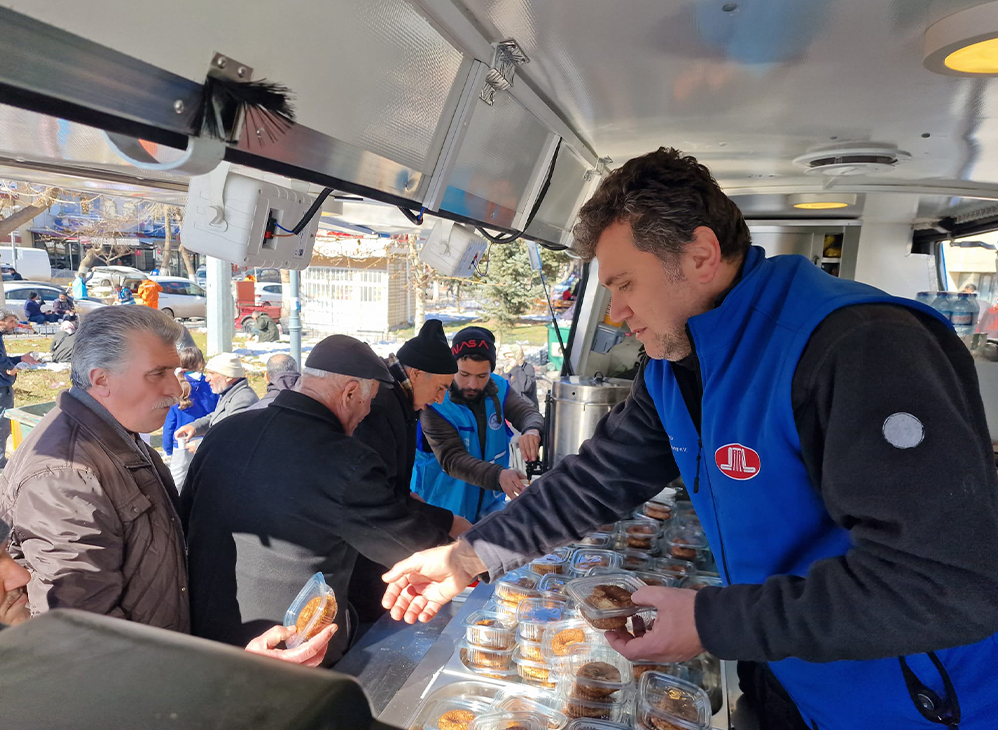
{"points": [[601, 169], [505, 59]]}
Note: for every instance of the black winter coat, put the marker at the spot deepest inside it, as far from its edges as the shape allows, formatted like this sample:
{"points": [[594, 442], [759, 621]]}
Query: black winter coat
{"points": [[278, 494], [390, 429]]}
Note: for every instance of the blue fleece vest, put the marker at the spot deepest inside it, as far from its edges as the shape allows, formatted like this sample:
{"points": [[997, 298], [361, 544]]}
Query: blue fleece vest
{"points": [[430, 481], [759, 509]]}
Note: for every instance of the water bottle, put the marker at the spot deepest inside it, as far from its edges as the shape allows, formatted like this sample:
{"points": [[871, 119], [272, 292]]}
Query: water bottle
{"points": [[963, 314], [943, 305], [925, 297]]}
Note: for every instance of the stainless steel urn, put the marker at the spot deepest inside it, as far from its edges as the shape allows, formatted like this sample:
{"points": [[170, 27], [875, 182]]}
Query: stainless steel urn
{"points": [[578, 404]]}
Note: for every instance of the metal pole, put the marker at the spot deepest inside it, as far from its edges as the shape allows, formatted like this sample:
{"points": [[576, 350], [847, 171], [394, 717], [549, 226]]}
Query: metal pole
{"points": [[294, 317], [221, 308]]}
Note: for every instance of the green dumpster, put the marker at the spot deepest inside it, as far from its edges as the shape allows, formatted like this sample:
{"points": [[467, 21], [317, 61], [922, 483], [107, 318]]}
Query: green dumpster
{"points": [[554, 349], [25, 418]]}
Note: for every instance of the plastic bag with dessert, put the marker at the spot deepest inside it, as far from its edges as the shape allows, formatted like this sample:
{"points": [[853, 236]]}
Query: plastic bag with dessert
{"points": [[312, 610]]}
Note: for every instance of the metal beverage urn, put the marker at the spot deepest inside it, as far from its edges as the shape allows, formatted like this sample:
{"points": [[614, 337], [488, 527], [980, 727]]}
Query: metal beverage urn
{"points": [[576, 406]]}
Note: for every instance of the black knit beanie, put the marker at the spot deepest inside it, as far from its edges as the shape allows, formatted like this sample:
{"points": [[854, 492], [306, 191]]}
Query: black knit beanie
{"points": [[428, 351], [475, 340]]}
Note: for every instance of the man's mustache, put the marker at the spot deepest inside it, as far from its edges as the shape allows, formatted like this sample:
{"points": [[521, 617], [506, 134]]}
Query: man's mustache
{"points": [[166, 403]]}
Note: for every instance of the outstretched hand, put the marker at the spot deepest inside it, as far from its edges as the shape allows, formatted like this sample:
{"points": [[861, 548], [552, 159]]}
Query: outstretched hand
{"points": [[419, 586]]}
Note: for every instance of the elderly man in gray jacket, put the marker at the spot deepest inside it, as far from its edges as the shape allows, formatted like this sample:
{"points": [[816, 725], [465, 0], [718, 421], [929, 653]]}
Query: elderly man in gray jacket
{"points": [[227, 378], [93, 510]]}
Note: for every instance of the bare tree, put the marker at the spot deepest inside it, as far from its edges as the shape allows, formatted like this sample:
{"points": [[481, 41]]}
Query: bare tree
{"points": [[421, 276], [39, 204]]}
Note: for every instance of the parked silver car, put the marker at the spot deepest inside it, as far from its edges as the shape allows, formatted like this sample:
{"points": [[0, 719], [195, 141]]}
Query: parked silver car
{"points": [[17, 294]]}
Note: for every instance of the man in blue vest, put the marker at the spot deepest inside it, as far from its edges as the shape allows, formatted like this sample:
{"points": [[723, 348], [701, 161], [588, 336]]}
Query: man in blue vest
{"points": [[834, 444], [462, 455]]}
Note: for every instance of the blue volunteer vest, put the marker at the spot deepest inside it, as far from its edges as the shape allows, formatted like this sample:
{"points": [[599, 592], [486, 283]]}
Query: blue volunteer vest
{"points": [[759, 509], [431, 482]]}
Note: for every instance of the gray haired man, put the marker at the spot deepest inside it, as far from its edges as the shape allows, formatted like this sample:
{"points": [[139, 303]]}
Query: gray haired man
{"points": [[282, 374], [93, 510]]}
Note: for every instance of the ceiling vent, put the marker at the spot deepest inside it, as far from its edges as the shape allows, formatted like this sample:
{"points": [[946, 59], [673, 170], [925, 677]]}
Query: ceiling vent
{"points": [[853, 158]]}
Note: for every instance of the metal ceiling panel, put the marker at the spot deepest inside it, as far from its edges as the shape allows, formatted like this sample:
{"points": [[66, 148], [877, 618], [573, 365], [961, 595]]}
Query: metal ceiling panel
{"points": [[373, 74], [568, 190], [497, 163], [748, 90]]}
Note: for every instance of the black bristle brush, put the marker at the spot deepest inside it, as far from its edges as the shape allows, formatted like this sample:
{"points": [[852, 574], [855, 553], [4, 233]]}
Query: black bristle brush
{"points": [[227, 105]]}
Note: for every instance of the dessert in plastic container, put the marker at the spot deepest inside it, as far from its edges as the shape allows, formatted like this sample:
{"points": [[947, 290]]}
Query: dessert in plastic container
{"points": [[562, 636], [646, 665], [655, 578], [455, 713], [313, 609], [486, 659], [635, 559], [530, 649], [696, 582], [553, 718], [667, 703], [595, 540], [493, 720], [679, 568], [585, 559], [578, 708], [552, 563], [534, 614], [492, 630], [531, 671], [605, 600], [553, 586], [639, 534], [587, 724], [686, 543], [515, 587], [595, 672]]}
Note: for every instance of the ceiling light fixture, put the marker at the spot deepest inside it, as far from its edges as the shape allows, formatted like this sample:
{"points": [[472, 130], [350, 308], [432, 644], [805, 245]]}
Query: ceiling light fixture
{"points": [[964, 43], [821, 201]]}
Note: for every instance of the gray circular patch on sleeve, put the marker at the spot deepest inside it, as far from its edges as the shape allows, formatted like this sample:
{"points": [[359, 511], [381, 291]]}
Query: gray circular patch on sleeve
{"points": [[903, 431]]}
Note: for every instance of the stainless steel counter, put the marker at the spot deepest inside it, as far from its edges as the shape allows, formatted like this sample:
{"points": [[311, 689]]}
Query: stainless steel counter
{"points": [[399, 665]]}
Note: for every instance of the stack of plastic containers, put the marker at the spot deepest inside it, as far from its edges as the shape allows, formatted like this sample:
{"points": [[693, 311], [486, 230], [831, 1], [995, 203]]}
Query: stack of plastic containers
{"points": [[665, 702], [595, 682]]}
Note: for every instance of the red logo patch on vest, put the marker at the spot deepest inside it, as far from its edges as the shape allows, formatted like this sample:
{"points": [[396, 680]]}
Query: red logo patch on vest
{"points": [[737, 461]]}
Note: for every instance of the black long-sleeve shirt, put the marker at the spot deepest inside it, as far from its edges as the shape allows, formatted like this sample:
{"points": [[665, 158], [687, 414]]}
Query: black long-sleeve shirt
{"points": [[922, 572]]}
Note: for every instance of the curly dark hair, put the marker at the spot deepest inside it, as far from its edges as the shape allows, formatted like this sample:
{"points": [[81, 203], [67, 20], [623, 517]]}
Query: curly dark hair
{"points": [[664, 195]]}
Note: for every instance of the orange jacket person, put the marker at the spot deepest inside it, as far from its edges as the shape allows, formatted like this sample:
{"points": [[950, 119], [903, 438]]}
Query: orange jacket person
{"points": [[148, 293]]}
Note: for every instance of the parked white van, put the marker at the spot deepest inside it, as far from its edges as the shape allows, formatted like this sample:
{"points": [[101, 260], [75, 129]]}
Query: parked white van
{"points": [[32, 263]]}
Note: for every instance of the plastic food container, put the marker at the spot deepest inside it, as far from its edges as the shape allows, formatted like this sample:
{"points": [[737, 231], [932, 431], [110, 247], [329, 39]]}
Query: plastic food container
{"points": [[668, 703], [562, 636], [552, 563], [515, 587], [705, 672], [696, 582], [492, 630], [553, 586], [484, 658], [654, 578], [585, 559], [605, 600], [508, 721], [675, 670], [577, 708], [635, 560], [639, 534], [531, 671], [596, 673], [455, 713], [534, 614], [313, 609], [686, 543], [679, 568], [553, 718], [587, 724], [530, 649], [595, 540]]}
